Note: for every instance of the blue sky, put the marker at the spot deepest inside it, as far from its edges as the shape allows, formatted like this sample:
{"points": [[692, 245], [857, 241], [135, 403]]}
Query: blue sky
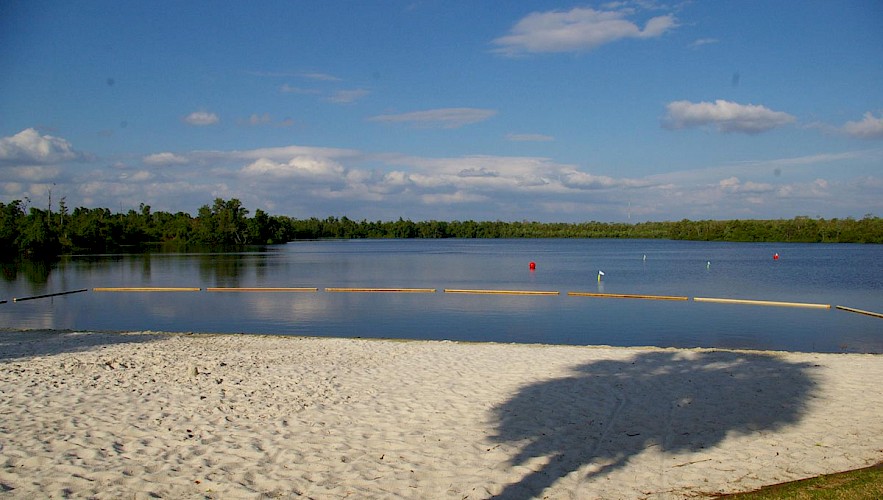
{"points": [[484, 110]]}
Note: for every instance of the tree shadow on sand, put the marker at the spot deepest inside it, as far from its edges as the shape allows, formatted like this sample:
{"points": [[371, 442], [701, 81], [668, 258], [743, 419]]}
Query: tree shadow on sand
{"points": [[680, 401], [16, 344]]}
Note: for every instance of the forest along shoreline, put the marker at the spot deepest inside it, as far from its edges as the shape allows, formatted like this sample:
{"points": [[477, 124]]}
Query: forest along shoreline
{"points": [[36, 233]]}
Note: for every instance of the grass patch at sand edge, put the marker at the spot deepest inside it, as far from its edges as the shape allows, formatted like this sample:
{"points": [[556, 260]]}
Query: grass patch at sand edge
{"points": [[859, 484]]}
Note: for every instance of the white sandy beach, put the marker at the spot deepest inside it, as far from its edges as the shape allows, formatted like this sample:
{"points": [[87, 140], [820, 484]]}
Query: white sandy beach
{"points": [[143, 415]]}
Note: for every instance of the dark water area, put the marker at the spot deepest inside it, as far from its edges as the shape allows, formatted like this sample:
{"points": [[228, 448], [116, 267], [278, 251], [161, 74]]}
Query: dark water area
{"points": [[841, 274]]}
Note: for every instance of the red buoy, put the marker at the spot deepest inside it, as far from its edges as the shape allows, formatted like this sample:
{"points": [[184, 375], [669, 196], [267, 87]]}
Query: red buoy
{"points": [[533, 266], [776, 256]]}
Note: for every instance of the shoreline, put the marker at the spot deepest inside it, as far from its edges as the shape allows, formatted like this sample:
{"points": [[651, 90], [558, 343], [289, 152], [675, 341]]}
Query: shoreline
{"points": [[196, 415], [162, 333]]}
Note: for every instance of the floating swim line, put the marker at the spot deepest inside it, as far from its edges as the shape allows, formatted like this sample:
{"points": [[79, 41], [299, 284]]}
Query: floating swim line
{"points": [[246, 289], [453, 290], [382, 290], [146, 289], [503, 292], [626, 296], [762, 302], [859, 311]]}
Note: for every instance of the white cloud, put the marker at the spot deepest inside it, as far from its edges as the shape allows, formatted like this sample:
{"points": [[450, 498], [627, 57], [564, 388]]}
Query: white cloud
{"points": [[122, 189], [256, 119], [457, 197], [300, 167], [870, 127], [160, 159], [529, 138], [702, 42], [201, 118], [816, 159], [39, 190], [323, 77], [397, 178], [280, 154], [439, 118], [12, 188], [516, 176], [33, 173], [577, 179], [431, 181], [578, 29], [499, 166], [28, 147], [734, 185], [139, 176], [779, 169], [813, 191], [348, 96], [725, 116], [308, 181], [477, 172]]}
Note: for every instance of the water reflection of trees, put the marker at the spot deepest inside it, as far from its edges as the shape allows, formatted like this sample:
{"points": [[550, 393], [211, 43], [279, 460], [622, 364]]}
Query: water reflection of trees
{"points": [[230, 269], [215, 269], [35, 272]]}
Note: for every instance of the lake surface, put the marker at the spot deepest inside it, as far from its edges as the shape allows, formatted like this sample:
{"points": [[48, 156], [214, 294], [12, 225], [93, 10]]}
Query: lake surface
{"points": [[848, 275]]}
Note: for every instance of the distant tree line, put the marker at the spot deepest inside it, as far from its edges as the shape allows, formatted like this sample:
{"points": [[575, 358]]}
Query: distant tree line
{"points": [[33, 232]]}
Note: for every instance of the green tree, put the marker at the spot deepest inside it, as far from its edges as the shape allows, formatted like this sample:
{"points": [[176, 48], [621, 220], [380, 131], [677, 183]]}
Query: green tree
{"points": [[36, 237], [262, 228], [11, 217], [231, 224], [205, 227]]}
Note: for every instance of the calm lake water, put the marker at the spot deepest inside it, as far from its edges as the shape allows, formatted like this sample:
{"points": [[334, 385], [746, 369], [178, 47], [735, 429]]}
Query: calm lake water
{"points": [[849, 275]]}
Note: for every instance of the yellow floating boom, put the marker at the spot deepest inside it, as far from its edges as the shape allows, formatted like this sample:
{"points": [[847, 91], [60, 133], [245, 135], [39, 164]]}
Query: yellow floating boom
{"points": [[762, 303], [503, 292], [382, 290], [146, 289], [626, 296], [258, 289], [859, 311]]}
